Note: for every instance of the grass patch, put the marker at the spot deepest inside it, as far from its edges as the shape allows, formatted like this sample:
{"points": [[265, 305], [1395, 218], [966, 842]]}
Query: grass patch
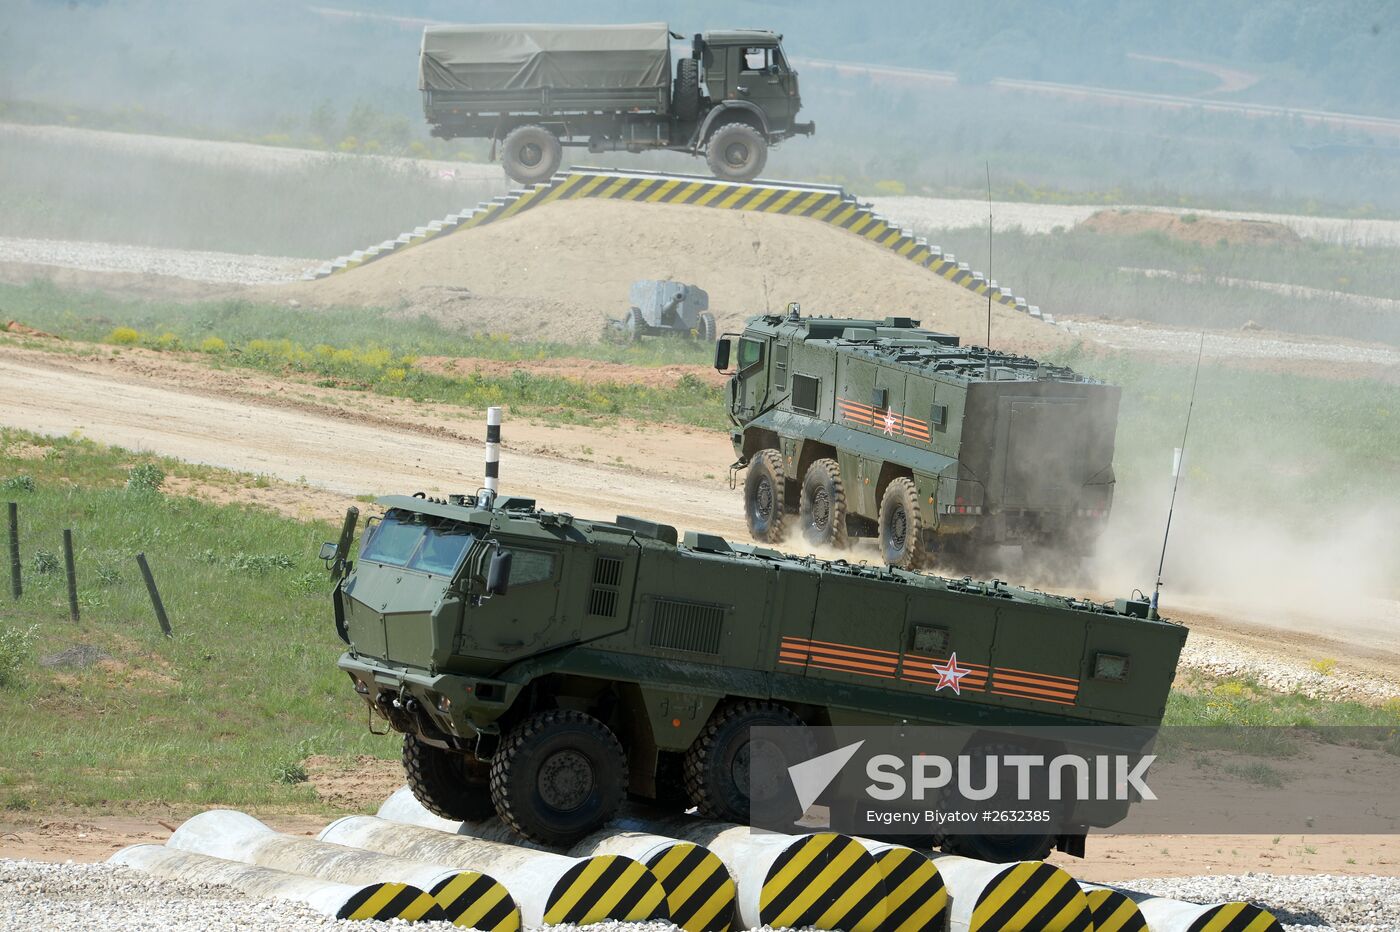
{"points": [[352, 348], [1201, 700], [110, 710]]}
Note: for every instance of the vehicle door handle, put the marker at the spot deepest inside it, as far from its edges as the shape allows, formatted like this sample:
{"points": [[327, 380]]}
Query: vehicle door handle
{"points": [[742, 89]]}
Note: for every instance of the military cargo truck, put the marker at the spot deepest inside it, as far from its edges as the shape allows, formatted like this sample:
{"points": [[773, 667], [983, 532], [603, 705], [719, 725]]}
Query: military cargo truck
{"points": [[541, 666], [876, 428], [533, 89]]}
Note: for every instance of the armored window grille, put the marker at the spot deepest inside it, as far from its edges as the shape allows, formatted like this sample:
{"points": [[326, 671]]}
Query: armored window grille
{"points": [[930, 639], [780, 366], [607, 579], [687, 626], [805, 392]]}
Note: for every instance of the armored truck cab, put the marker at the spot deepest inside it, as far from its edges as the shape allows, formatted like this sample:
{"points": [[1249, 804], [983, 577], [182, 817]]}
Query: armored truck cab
{"points": [[540, 665], [856, 427]]}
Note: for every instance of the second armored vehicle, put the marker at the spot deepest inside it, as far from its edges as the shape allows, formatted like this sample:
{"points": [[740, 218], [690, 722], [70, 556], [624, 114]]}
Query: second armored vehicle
{"points": [[878, 428], [534, 89]]}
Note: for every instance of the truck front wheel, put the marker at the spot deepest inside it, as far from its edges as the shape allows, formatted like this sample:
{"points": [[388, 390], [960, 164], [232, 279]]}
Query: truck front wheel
{"points": [[763, 497], [448, 784], [531, 154], [736, 152], [558, 775], [902, 525]]}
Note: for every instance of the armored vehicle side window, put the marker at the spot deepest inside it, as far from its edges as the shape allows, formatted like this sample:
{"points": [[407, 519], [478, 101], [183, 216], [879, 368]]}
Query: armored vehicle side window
{"points": [[530, 566], [805, 392], [930, 639], [780, 365], [938, 417], [750, 353]]}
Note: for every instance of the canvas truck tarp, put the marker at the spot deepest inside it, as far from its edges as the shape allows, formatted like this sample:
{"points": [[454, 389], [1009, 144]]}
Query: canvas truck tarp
{"points": [[534, 57]]}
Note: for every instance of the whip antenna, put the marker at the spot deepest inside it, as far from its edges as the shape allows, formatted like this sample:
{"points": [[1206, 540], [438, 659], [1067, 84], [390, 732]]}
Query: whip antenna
{"points": [[1176, 479], [988, 165]]}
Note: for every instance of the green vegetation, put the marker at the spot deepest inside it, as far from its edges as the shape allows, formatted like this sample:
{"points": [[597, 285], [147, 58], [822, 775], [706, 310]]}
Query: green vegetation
{"points": [[360, 353], [113, 711], [1308, 287], [1201, 700]]}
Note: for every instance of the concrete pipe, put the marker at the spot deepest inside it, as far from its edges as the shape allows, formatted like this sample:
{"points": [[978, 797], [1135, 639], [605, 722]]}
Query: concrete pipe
{"points": [[915, 895], [700, 894], [1024, 896], [1113, 910], [337, 900], [469, 899], [1165, 915], [550, 888]]}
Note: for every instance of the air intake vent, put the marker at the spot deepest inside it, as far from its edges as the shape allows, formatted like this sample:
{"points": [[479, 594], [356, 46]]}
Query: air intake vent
{"points": [[602, 599], [687, 626]]}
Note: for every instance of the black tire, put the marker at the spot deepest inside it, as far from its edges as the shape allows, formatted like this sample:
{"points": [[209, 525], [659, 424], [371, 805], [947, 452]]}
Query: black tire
{"points": [[634, 325], [736, 152], [705, 328], [822, 513], [717, 764], [531, 154], [685, 97], [764, 489], [558, 776], [453, 785], [902, 525]]}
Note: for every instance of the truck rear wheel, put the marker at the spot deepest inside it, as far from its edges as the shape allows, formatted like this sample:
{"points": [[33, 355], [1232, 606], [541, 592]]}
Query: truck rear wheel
{"points": [[902, 525], [717, 765], [736, 152], [531, 154], [448, 783], [822, 515], [685, 99], [558, 775], [763, 497], [634, 325]]}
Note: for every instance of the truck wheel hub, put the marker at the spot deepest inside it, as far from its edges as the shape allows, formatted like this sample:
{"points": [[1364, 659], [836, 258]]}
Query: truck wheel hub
{"points": [[763, 500], [899, 529], [821, 510], [565, 780], [530, 154], [736, 154]]}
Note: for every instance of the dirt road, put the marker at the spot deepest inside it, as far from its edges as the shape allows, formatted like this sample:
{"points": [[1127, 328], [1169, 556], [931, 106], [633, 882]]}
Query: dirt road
{"points": [[359, 446]]}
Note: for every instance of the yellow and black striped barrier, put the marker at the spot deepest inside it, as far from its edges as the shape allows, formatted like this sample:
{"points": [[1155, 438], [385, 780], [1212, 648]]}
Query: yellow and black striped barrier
{"points": [[825, 203], [476, 901], [700, 894], [824, 881], [608, 886], [1032, 896], [915, 896], [391, 901], [1113, 911], [1236, 917]]}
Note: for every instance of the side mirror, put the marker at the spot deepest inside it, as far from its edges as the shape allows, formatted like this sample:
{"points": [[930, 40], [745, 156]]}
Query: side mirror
{"points": [[721, 355], [328, 550], [498, 574]]}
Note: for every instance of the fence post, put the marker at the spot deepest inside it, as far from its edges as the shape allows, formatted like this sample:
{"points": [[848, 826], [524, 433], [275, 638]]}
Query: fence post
{"points": [[16, 579], [156, 603], [71, 573]]}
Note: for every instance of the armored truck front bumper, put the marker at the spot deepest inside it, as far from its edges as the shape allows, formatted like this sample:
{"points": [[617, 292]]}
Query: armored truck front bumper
{"points": [[443, 708]]}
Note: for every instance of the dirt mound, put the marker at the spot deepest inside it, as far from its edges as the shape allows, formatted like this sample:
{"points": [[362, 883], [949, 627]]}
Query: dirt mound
{"points": [[1208, 231], [559, 271]]}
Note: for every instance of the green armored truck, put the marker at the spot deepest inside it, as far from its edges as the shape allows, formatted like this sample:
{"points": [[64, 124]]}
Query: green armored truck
{"points": [[541, 666], [534, 89], [876, 428]]}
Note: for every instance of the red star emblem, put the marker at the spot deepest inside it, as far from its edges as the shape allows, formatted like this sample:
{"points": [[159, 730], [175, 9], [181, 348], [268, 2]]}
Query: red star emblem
{"points": [[950, 674], [889, 422]]}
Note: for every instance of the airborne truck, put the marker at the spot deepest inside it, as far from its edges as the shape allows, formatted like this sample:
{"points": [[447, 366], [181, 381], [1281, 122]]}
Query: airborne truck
{"points": [[532, 89], [876, 428], [540, 666]]}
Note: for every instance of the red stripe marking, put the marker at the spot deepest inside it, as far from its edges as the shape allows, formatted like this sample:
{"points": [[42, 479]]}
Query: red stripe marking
{"points": [[1046, 676]]}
